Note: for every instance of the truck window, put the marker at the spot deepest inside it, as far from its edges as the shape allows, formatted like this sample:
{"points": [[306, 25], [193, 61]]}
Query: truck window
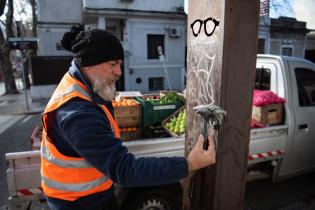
{"points": [[262, 80], [305, 80]]}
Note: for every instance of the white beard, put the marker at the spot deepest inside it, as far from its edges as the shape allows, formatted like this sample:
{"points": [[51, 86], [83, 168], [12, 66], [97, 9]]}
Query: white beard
{"points": [[103, 89]]}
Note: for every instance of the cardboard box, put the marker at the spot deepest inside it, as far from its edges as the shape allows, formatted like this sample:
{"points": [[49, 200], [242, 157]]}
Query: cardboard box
{"points": [[269, 114]]}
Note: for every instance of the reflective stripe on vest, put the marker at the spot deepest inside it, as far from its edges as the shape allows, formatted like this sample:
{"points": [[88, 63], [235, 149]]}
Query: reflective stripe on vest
{"points": [[62, 163], [74, 187], [64, 177]]}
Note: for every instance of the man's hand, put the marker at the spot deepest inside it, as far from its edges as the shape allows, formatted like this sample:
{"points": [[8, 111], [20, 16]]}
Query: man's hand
{"points": [[198, 157]]}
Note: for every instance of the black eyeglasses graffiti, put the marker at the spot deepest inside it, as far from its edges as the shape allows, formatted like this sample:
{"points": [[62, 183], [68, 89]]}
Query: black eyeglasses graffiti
{"points": [[204, 22]]}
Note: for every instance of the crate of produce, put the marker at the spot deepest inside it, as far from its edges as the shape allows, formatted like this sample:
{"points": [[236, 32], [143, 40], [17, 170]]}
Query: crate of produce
{"points": [[268, 114], [154, 131], [155, 108], [175, 124], [130, 133], [128, 112], [127, 94]]}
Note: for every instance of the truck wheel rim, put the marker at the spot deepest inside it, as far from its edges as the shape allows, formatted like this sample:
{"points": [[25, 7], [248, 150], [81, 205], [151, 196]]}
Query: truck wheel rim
{"points": [[153, 204]]}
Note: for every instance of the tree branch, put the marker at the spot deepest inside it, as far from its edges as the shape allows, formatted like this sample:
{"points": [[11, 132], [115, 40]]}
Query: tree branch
{"points": [[9, 19], [2, 22], [2, 6]]}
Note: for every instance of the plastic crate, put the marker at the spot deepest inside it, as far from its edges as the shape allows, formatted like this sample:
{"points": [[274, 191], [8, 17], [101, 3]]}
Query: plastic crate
{"points": [[153, 113], [156, 131], [166, 120]]}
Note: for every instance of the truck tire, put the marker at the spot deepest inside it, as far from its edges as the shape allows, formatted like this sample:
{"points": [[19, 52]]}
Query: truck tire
{"points": [[152, 200]]}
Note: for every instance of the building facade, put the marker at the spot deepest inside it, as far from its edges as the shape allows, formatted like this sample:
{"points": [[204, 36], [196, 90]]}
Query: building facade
{"points": [[287, 37], [282, 36], [304, 10], [142, 27]]}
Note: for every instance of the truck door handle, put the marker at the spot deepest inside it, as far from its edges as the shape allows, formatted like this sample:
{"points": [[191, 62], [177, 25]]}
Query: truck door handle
{"points": [[303, 126]]}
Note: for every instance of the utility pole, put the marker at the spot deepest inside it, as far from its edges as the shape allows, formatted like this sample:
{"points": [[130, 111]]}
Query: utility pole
{"points": [[222, 43]]}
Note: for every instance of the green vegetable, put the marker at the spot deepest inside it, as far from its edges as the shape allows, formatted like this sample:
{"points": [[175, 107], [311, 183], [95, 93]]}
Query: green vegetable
{"points": [[170, 98], [177, 124]]}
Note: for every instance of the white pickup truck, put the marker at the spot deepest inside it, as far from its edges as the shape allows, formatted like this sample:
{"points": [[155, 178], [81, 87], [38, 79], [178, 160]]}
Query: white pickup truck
{"points": [[282, 150]]}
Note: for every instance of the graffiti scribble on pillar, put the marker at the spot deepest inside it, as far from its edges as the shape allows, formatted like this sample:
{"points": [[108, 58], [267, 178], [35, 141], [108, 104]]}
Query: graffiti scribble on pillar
{"points": [[200, 88]]}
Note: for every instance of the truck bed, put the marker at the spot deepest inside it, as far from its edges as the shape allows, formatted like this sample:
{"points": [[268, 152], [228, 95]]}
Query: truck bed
{"points": [[267, 143], [23, 174]]}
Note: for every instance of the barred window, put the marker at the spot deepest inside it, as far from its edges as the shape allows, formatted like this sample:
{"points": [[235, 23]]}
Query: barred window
{"points": [[153, 42], [156, 83]]}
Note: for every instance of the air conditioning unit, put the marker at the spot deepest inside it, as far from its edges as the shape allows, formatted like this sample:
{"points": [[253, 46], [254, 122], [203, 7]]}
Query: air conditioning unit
{"points": [[174, 32]]}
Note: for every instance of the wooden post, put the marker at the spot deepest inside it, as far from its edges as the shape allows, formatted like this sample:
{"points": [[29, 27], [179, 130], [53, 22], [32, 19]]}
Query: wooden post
{"points": [[221, 70]]}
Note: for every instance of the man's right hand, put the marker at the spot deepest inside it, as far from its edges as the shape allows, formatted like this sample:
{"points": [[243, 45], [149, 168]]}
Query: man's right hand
{"points": [[200, 158]]}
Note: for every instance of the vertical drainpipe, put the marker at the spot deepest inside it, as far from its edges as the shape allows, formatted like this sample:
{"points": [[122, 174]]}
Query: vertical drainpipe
{"points": [[101, 22], [305, 43]]}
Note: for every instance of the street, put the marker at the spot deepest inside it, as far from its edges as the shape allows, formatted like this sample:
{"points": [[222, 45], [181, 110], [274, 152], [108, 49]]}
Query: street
{"points": [[15, 132], [293, 194]]}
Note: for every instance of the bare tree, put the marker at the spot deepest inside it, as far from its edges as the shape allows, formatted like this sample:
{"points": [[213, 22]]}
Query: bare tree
{"points": [[2, 6], [30, 22], [22, 9], [28, 53], [34, 17], [5, 63]]}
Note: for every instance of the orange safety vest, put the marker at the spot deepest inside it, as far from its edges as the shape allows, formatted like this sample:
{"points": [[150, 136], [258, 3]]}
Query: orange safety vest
{"points": [[64, 177]]}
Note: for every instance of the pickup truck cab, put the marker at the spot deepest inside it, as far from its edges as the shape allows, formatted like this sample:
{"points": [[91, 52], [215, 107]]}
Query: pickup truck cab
{"points": [[285, 149], [294, 80]]}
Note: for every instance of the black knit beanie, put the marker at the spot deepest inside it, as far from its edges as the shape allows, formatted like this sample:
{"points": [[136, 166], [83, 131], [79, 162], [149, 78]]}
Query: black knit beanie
{"points": [[92, 47]]}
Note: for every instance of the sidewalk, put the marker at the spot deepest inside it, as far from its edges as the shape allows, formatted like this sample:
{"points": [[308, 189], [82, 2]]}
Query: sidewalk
{"points": [[16, 104]]}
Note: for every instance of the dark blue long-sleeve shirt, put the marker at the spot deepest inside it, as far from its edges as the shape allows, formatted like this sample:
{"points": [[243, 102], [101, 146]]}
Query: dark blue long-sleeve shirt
{"points": [[80, 128]]}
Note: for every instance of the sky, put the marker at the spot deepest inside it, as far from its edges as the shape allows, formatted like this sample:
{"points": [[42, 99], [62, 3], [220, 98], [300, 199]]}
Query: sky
{"points": [[281, 11]]}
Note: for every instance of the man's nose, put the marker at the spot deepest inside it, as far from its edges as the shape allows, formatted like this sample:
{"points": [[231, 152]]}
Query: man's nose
{"points": [[117, 70]]}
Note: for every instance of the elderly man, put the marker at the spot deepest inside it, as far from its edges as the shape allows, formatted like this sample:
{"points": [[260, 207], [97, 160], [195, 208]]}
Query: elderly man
{"points": [[82, 153]]}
